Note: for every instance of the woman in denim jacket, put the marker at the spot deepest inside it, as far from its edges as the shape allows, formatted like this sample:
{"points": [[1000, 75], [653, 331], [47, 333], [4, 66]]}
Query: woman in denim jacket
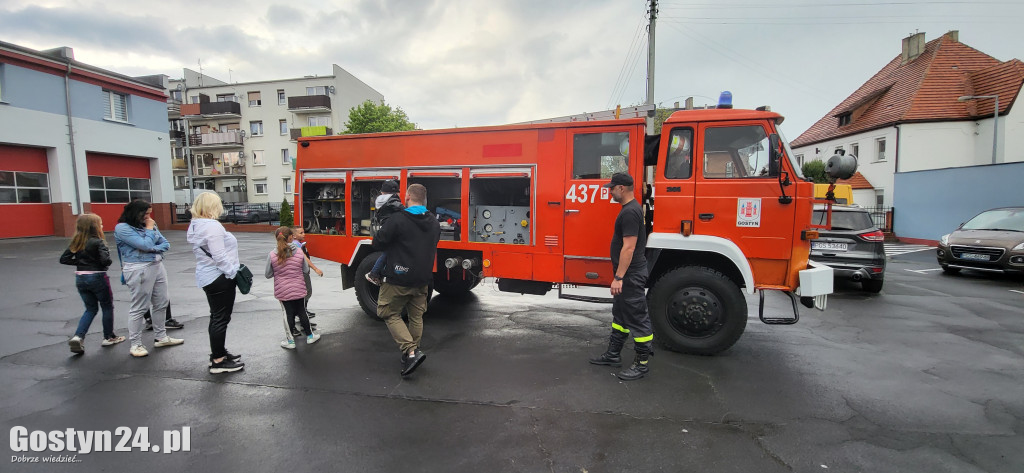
{"points": [[141, 247]]}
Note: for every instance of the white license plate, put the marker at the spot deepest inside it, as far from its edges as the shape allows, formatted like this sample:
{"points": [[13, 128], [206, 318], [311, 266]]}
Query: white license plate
{"points": [[822, 245], [974, 257]]}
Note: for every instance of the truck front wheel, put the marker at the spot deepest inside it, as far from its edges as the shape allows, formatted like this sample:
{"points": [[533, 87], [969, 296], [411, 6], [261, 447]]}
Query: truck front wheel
{"points": [[697, 310]]}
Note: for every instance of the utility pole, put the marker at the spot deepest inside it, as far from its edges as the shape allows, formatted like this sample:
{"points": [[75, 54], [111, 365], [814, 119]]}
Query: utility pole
{"points": [[653, 15]]}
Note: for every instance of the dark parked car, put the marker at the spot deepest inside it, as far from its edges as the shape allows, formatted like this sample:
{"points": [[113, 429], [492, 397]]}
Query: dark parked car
{"points": [[991, 241], [854, 247], [248, 213]]}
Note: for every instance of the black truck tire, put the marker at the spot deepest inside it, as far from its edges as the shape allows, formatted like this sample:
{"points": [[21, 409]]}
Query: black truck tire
{"points": [[697, 310]]}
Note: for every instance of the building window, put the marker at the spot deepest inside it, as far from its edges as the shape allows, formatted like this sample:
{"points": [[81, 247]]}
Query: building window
{"points": [[193, 99], [256, 128], [260, 187], [179, 182], [227, 98], [879, 197], [24, 187], [257, 158], [176, 95], [283, 124], [880, 149], [287, 185], [254, 99], [280, 97], [318, 90], [855, 149], [116, 106], [320, 121], [844, 119], [800, 160], [839, 150], [117, 190], [285, 157]]}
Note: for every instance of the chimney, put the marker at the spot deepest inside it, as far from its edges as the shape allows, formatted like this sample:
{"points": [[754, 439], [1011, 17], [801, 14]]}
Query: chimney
{"points": [[954, 35], [913, 46]]}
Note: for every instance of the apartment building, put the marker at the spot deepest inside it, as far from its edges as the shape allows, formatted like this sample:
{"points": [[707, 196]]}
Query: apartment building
{"points": [[77, 138], [239, 139]]}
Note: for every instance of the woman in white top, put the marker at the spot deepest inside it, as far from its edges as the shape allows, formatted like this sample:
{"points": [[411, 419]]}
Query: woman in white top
{"points": [[216, 252]]}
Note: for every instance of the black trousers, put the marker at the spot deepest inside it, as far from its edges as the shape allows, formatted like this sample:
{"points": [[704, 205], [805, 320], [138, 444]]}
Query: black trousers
{"points": [[293, 309], [221, 296], [629, 313]]}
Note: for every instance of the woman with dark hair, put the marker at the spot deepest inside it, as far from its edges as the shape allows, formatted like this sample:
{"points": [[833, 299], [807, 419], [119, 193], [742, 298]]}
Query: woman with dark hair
{"points": [[141, 247]]}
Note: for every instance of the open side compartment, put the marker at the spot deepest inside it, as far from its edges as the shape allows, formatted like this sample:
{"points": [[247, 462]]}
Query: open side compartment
{"points": [[323, 203], [499, 207], [444, 199]]}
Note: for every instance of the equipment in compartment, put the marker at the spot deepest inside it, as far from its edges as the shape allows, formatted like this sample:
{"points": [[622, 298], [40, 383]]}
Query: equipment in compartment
{"points": [[500, 224], [323, 208]]}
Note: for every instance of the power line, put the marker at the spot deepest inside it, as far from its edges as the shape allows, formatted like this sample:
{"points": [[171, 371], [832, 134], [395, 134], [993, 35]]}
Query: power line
{"points": [[797, 21], [674, 5], [626, 61], [636, 60]]}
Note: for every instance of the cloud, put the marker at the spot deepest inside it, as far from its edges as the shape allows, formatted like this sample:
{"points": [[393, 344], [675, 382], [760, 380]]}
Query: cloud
{"points": [[284, 15]]}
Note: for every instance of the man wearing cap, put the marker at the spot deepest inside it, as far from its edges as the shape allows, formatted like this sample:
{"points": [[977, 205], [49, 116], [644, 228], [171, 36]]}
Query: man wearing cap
{"points": [[629, 306]]}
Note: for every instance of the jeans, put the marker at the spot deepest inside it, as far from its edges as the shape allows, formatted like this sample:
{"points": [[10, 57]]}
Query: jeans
{"points": [[96, 293], [220, 294], [378, 265]]}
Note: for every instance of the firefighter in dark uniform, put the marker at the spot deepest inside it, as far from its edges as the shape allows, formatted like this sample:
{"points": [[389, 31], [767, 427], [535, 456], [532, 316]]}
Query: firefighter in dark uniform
{"points": [[629, 306]]}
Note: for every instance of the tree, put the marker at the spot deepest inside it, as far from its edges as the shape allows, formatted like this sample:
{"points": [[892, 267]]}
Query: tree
{"points": [[377, 118], [286, 214], [815, 170]]}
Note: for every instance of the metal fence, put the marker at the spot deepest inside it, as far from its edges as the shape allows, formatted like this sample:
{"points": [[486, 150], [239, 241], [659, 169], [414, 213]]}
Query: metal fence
{"points": [[882, 217], [238, 212]]}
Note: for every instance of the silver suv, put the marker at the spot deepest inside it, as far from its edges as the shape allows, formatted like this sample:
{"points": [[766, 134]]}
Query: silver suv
{"points": [[854, 247]]}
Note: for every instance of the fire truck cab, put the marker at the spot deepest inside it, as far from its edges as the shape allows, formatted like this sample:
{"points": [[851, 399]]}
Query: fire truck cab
{"points": [[728, 212]]}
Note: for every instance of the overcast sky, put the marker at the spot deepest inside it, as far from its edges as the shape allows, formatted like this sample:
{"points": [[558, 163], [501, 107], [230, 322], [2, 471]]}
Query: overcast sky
{"points": [[465, 63]]}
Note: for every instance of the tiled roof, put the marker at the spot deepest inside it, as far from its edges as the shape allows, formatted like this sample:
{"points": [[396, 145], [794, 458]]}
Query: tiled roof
{"points": [[858, 181], [924, 89]]}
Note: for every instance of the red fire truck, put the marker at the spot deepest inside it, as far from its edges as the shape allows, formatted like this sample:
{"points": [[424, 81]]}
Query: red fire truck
{"points": [[727, 208]]}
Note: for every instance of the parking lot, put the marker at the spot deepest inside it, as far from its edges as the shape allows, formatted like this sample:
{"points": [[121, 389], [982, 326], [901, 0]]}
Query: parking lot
{"points": [[927, 376]]}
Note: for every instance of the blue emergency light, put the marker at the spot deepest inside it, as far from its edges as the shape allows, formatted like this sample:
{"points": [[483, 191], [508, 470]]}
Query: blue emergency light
{"points": [[725, 100]]}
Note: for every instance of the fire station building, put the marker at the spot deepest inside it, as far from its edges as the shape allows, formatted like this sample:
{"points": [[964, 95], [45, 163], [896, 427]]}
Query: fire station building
{"points": [[76, 138]]}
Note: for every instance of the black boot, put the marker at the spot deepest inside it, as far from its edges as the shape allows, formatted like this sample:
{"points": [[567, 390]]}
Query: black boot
{"points": [[613, 356], [638, 369]]}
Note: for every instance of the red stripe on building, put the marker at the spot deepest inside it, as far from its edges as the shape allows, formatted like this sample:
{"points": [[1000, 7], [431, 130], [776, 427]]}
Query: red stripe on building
{"points": [[23, 159]]}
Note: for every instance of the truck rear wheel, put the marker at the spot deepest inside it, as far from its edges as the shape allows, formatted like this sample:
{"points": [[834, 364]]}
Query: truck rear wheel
{"points": [[697, 310], [367, 292]]}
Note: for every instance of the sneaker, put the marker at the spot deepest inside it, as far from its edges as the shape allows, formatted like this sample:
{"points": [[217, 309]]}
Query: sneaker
{"points": [[373, 280], [288, 344], [149, 325], [312, 338], [226, 366], [111, 341], [138, 351], [168, 342], [296, 333], [411, 362], [76, 345], [310, 314], [228, 356], [171, 323]]}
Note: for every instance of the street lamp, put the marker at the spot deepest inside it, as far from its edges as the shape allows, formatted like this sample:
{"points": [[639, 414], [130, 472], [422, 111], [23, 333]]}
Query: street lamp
{"points": [[995, 118]]}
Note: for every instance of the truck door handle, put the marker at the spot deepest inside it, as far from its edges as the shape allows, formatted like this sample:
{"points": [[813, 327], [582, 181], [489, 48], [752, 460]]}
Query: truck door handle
{"points": [[572, 211], [706, 217]]}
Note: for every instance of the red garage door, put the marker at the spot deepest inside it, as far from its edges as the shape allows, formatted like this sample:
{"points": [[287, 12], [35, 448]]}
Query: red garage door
{"points": [[24, 192], [115, 181]]}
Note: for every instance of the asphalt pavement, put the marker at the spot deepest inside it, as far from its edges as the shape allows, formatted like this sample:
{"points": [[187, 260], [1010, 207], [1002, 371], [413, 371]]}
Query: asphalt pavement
{"points": [[927, 376]]}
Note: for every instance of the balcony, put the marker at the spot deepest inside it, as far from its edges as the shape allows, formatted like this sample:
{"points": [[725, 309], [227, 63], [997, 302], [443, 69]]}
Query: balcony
{"points": [[178, 164], [309, 104], [176, 134], [211, 110], [226, 139], [311, 131]]}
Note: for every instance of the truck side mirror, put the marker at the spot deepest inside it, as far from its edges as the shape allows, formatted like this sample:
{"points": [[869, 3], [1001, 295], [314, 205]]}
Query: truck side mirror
{"points": [[774, 156]]}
